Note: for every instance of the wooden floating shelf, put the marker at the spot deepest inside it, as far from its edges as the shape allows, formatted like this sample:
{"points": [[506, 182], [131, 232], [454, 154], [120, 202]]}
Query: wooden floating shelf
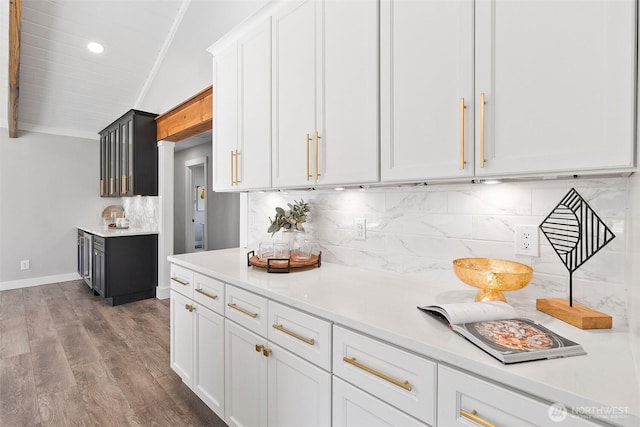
{"points": [[579, 316]]}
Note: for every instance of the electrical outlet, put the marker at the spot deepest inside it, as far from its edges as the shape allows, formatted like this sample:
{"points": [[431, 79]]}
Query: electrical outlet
{"points": [[25, 264], [526, 240], [360, 225]]}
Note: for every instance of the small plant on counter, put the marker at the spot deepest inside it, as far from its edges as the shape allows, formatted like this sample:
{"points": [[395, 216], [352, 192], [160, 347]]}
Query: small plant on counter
{"points": [[290, 219]]}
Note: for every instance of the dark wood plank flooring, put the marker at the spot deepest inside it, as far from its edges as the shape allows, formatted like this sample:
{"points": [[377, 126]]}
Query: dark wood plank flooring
{"points": [[68, 359]]}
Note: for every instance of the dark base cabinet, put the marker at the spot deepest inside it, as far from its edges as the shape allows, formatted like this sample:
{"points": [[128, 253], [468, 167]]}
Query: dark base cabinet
{"points": [[125, 269]]}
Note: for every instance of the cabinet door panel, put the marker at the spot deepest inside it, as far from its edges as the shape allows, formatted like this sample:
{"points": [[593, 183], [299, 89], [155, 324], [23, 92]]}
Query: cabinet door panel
{"points": [[294, 103], [299, 393], [556, 100], [255, 93], [208, 378], [353, 407], [225, 115], [426, 68], [348, 104], [181, 337], [245, 378]]}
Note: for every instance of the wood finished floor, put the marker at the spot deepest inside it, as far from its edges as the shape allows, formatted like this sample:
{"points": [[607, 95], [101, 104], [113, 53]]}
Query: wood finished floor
{"points": [[67, 359]]}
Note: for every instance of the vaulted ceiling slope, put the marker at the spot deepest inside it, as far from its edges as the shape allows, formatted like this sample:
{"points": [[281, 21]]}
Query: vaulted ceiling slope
{"points": [[66, 89]]}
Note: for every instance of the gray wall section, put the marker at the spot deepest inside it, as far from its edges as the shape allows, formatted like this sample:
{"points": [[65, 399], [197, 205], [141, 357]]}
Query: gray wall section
{"points": [[223, 209], [48, 186]]}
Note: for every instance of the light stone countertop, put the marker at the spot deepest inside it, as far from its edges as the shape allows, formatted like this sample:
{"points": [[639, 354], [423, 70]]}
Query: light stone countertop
{"points": [[383, 305], [104, 231]]}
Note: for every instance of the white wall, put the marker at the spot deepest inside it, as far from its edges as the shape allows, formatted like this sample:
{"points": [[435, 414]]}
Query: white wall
{"points": [[412, 230], [48, 186], [223, 209]]}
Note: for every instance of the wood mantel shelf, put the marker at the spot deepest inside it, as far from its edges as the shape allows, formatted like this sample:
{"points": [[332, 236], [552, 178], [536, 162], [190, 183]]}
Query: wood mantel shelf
{"points": [[193, 116]]}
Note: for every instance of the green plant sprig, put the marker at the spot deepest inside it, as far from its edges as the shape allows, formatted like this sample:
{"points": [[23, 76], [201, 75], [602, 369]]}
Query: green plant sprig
{"points": [[289, 219]]}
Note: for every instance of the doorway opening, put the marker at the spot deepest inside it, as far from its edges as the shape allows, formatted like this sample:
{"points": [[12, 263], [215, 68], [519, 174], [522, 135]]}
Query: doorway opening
{"points": [[196, 198]]}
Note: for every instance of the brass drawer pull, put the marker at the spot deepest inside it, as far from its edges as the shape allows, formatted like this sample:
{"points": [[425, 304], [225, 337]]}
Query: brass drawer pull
{"points": [[308, 163], [462, 108], [404, 384], [317, 159], [189, 307], [242, 310], [182, 282], [200, 291], [259, 347], [281, 328], [482, 104], [475, 418]]}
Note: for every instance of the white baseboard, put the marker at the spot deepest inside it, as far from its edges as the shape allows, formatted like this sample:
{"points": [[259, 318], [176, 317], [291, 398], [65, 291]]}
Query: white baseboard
{"points": [[162, 292], [37, 281]]}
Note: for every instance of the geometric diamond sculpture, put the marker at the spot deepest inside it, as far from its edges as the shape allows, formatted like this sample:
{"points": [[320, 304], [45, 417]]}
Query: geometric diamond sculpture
{"points": [[575, 232]]}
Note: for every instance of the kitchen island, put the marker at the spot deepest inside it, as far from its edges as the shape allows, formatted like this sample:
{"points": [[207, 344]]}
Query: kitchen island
{"points": [[119, 264], [600, 388]]}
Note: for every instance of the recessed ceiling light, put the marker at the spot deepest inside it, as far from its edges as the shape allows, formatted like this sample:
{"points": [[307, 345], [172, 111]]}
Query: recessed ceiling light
{"points": [[95, 47]]}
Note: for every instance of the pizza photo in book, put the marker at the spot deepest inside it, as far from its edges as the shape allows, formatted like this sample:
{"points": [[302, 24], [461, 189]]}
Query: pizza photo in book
{"points": [[496, 328]]}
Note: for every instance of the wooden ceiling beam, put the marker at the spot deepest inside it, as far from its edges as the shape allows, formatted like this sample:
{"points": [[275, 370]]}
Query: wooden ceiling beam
{"points": [[193, 116], [15, 17]]}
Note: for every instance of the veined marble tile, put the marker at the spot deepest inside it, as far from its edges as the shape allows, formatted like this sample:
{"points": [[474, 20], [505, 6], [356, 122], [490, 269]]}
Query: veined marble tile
{"points": [[417, 229]]}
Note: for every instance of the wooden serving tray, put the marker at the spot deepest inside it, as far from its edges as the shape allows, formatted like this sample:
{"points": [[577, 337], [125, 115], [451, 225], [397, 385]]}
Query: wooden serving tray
{"points": [[282, 265]]}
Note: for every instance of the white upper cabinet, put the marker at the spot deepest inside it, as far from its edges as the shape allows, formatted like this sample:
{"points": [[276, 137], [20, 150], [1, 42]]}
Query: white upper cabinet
{"points": [[523, 88], [325, 86], [426, 72], [242, 110], [225, 117], [558, 80]]}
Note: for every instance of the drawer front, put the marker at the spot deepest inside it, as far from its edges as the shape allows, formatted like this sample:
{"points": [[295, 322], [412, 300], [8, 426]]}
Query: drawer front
{"points": [[209, 292], [246, 309], [353, 407], [465, 400], [396, 376], [303, 334], [182, 280]]}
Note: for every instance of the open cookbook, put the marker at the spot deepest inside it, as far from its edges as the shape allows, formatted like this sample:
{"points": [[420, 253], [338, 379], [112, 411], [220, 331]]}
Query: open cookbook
{"points": [[496, 328]]}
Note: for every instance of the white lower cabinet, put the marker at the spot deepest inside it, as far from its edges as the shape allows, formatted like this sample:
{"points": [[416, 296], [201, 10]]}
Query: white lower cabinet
{"points": [[275, 384], [465, 400], [353, 407], [299, 393], [208, 375], [245, 377], [181, 339], [197, 349], [401, 379]]}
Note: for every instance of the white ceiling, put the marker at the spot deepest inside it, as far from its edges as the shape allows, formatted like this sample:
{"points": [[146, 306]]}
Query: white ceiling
{"points": [[154, 58]]}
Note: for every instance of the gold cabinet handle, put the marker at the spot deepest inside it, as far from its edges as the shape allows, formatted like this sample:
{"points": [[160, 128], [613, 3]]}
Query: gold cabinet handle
{"points": [[231, 168], [317, 159], [475, 418], [404, 384], [182, 282], [482, 104], [102, 187], [200, 291], [237, 156], [189, 308], [259, 347], [266, 352], [242, 310], [462, 108], [111, 184], [123, 186], [281, 328], [308, 161]]}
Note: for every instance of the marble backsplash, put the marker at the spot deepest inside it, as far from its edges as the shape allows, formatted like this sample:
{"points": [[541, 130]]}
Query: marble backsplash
{"points": [[141, 211], [413, 230]]}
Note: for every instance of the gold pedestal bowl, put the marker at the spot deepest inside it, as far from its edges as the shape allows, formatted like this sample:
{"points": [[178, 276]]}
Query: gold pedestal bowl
{"points": [[492, 276]]}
